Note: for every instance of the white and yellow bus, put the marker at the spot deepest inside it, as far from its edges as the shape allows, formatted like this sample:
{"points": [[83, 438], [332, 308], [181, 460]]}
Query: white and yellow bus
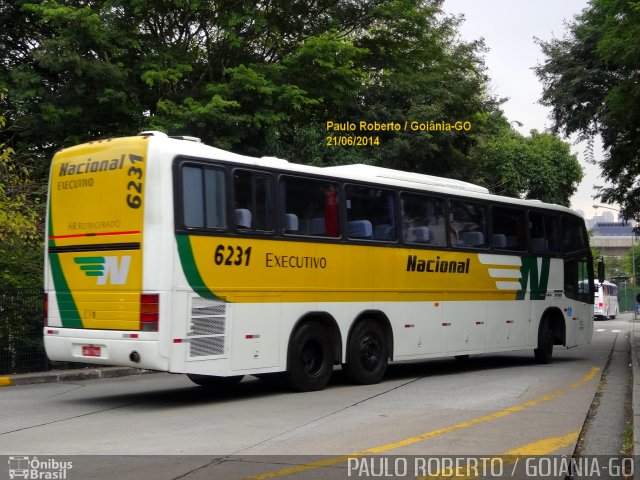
{"points": [[167, 254]]}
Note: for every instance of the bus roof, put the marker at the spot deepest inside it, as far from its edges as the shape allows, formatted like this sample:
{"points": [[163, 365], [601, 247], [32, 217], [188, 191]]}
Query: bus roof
{"points": [[191, 146]]}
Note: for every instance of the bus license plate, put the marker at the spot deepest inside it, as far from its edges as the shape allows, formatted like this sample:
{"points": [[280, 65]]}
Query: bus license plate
{"points": [[91, 351]]}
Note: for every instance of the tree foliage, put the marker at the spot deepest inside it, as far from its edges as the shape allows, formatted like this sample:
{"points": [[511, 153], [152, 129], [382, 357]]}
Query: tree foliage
{"points": [[254, 78], [18, 215], [591, 82], [539, 166], [21, 215]]}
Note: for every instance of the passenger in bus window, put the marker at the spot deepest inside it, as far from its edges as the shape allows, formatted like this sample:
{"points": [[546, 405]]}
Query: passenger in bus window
{"points": [[453, 231]]}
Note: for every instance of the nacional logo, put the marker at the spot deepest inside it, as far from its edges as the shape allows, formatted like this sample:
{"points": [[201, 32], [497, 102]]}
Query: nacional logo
{"points": [[519, 274], [112, 269], [436, 265]]}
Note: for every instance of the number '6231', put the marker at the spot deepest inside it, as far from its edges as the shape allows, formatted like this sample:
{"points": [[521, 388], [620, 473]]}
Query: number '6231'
{"points": [[230, 255], [134, 199]]}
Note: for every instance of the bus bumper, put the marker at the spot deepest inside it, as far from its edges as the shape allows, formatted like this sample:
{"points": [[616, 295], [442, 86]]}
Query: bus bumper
{"points": [[104, 347]]}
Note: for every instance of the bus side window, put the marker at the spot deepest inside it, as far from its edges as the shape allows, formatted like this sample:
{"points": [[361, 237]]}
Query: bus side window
{"points": [[469, 220], [578, 276], [509, 227], [313, 204], [423, 219], [253, 200], [543, 232], [574, 234], [368, 207], [203, 197]]}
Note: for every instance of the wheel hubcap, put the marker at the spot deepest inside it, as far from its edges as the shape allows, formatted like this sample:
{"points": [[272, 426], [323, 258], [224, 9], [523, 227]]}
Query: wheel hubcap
{"points": [[311, 357], [370, 352]]}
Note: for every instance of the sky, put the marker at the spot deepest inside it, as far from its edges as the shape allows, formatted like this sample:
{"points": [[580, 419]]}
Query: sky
{"points": [[508, 28]]}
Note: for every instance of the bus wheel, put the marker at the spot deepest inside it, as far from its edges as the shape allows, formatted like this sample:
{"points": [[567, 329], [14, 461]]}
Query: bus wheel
{"points": [[367, 353], [210, 381], [544, 352], [310, 358]]}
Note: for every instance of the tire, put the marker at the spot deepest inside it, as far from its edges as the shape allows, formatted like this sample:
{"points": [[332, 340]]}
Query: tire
{"points": [[544, 352], [367, 353], [209, 381], [310, 358]]}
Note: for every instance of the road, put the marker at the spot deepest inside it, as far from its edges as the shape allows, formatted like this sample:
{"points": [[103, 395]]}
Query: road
{"points": [[489, 405]]}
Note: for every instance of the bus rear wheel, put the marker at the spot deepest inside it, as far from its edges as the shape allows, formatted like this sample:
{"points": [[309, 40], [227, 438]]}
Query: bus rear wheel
{"points": [[367, 353], [310, 358], [210, 381], [544, 352]]}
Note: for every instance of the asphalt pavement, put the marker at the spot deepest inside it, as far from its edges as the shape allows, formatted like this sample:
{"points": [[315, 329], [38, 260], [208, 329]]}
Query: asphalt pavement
{"points": [[614, 402]]}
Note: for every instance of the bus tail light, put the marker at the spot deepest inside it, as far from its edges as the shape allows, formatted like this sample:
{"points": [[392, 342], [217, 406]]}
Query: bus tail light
{"points": [[45, 308], [149, 312], [601, 304]]}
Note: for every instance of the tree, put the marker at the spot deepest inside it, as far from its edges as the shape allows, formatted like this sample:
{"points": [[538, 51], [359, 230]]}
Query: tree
{"points": [[633, 254], [590, 80], [540, 166], [21, 214], [18, 216], [255, 78]]}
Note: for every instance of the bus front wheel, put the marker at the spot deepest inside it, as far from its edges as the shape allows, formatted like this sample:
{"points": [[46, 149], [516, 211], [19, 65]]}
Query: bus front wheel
{"points": [[310, 358], [367, 353], [544, 352]]}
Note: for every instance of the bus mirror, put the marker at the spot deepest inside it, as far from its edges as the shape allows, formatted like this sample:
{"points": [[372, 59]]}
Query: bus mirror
{"points": [[600, 271], [638, 298]]}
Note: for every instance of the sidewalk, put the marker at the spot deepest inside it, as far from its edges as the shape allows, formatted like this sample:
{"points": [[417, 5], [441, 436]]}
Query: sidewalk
{"points": [[54, 376]]}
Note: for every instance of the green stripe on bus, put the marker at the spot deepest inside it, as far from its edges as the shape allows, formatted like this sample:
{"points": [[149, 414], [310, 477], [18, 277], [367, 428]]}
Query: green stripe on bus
{"points": [[69, 315], [83, 260], [191, 270], [531, 278]]}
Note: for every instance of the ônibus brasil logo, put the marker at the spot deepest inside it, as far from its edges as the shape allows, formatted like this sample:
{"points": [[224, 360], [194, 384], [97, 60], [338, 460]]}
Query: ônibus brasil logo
{"points": [[27, 467], [108, 269]]}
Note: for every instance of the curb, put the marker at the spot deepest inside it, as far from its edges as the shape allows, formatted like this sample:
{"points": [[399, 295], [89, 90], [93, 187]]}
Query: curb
{"points": [[59, 376], [635, 396]]}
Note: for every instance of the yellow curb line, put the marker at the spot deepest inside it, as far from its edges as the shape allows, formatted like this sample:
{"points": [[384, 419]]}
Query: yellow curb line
{"points": [[544, 446], [420, 438], [5, 381]]}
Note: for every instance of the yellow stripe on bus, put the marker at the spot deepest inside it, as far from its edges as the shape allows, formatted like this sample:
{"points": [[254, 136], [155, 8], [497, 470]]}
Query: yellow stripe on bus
{"points": [[334, 272]]}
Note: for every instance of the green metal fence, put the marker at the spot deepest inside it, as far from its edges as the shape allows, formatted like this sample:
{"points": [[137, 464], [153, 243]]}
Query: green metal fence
{"points": [[627, 298], [21, 322]]}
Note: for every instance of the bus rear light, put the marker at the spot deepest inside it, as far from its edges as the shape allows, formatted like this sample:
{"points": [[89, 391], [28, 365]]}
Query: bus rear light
{"points": [[45, 308], [601, 305], [149, 312]]}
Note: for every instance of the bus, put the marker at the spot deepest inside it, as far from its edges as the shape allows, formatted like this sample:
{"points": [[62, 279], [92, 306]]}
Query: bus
{"points": [[164, 253], [605, 304]]}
